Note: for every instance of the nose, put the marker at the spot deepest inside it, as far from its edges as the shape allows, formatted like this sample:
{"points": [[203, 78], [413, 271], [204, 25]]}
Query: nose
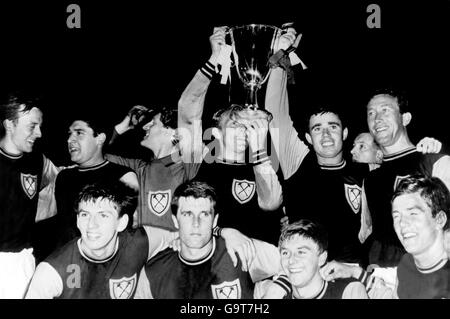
{"points": [[353, 151], [37, 131], [404, 221], [378, 116], [326, 131], [71, 138], [92, 222], [292, 259], [147, 126], [196, 221]]}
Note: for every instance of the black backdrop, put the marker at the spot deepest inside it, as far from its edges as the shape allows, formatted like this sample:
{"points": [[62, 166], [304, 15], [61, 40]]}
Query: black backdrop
{"points": [[146, 52]]}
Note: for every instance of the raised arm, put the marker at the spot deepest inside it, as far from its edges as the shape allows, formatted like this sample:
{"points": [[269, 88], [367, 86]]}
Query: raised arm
{"points": [[191, 102], [290, 148], [268, 186]]}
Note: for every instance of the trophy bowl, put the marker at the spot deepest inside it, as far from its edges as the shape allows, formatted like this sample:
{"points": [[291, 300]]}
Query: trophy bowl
{"points": [[252, 46]]}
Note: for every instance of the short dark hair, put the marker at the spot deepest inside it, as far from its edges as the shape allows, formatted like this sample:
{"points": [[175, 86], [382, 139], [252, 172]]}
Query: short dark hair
{"points": [[195, 189], [14, 103], [398, 94], [122, 196], [307, 229], [169, 116], [97, 122], [320, 109], [431, 189]]}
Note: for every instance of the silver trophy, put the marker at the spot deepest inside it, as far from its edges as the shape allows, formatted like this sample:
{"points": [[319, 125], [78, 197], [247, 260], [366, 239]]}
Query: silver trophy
{"points": [[252, 46]]}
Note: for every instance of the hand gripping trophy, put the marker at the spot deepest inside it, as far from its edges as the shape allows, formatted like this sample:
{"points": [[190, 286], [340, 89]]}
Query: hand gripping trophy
{"points": [[254, 47]]}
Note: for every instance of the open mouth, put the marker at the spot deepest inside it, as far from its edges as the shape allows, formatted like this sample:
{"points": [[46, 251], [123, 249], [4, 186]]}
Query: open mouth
{"points": [[295, 270], [93, 236], [327, 143], [408, 235], [379, 129]]}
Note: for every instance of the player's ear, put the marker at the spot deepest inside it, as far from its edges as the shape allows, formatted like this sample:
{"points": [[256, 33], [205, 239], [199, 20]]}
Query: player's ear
{"points": [[323, 258], [441, 219], [175, 221], [8, 125], [123, 222], [308, 138], [344, 134], [406, 118], [101, 138]]}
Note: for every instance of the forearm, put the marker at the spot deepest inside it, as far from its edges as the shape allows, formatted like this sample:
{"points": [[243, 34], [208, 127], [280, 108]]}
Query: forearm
{"points": [[268, 187], [290, 148], [191, 102], [267, 261]]}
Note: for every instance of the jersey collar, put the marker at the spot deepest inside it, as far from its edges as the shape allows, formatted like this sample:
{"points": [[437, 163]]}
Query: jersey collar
{"points": [[93, 167], [409, 150], [438, 265], [95, 261], [9, 155], [334, 166], [321, 293]]}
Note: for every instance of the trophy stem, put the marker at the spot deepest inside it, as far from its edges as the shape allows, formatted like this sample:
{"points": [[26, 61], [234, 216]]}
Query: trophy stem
{"points": [[251, 99]]}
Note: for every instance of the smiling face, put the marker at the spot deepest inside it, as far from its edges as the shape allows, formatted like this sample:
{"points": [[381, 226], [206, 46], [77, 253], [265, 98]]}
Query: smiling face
{"points": [[301, 260], [156, 134], [195, 219], [24, 131], [326, 135], [386, 123], [99, 223], [85, 149], [414, 224]]}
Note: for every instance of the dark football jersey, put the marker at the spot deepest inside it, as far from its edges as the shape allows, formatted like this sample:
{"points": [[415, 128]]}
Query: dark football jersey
{"points": [[20, 177], [386, 250], [172, 277], [115, 278], [331, 196], [68, 185], [432, 283], [236, 188]]}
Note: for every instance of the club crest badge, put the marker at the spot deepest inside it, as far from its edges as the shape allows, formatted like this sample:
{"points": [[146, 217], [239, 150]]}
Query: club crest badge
{"points": [[122, 288], [398, 179], [159, 201], [243, 190], [29, 184], [227, 290], [353, 196]]}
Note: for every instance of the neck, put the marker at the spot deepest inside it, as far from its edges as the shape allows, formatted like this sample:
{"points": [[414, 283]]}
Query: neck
{"points": [[9, 147], [432, 255], [402, 144], [193, 254], [311, 290], [97, 159], [373, 166], [329, 160], [102, 253], [165, 150]]}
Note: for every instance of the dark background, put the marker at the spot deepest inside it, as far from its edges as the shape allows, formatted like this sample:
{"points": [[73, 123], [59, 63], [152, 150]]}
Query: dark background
{"points": [[146, 52]]}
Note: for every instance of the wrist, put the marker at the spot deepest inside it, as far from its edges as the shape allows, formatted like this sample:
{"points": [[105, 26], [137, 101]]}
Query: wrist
{"points": [[121, 128], [283, 282], [259, 157], [209, 69]]}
